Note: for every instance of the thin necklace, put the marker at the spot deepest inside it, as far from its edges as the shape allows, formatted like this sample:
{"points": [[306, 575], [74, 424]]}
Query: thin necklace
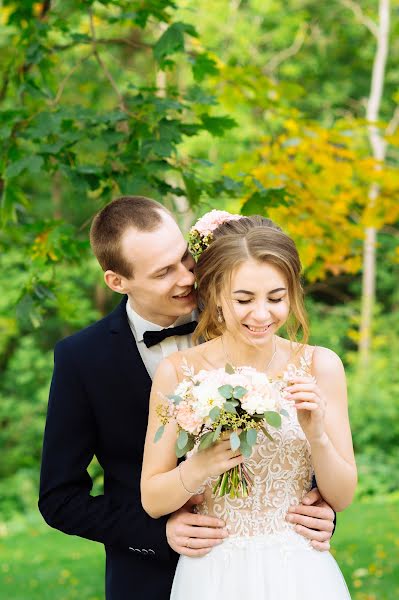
{"points": [[226, 354]]}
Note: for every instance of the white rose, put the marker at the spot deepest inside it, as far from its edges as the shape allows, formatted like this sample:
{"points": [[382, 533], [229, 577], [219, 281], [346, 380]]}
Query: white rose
{"points": [[207, 397]]}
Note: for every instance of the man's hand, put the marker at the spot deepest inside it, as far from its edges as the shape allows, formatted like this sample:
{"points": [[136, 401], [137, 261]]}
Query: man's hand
{"points": [[314, 519], [191, 534]]}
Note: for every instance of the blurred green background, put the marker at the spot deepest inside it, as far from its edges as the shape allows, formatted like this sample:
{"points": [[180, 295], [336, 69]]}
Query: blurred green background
{"points": [[285, 109]]}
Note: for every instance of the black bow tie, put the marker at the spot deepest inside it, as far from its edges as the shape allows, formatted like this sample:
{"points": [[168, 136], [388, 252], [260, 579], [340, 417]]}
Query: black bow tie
{"points": [[155, 337]]}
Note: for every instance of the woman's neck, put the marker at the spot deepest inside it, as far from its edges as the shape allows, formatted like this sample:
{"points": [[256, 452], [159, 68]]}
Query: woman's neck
{"points": [[239, 353]]}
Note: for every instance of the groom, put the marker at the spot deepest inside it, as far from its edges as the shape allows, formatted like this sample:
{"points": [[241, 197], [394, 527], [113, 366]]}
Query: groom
{"points": [[98, 406]]}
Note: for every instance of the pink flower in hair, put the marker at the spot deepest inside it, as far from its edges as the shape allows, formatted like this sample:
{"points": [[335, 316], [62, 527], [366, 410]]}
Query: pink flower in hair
{"points": [[206, 224], [200, 235]]}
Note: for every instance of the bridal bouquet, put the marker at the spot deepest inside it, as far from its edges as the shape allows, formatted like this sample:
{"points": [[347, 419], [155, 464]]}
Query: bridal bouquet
{"points": [[208, 403]]}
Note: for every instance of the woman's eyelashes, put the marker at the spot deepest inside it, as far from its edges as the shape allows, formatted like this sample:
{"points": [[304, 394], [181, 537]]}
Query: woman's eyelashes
{"points": [[274, 300]]}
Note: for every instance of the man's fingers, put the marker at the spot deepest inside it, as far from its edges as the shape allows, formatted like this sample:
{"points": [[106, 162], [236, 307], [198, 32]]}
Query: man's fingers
{"points": [[202, 533], [312, 497], [321, 546], [198, 543], [202, 520], [317, 536], [192, 552], [311, 523], [317, 512]]}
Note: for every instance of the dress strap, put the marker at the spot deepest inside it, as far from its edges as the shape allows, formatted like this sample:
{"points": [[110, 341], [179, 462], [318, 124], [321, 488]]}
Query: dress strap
{"points": [[306, 360]]}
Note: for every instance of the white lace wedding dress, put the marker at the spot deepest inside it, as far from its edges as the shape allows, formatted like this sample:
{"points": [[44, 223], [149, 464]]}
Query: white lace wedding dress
{"points": [[264, 558]]}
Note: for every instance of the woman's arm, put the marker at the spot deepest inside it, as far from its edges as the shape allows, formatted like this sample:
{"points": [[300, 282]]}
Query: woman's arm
{"points": [[165, 488], [323, 415]]}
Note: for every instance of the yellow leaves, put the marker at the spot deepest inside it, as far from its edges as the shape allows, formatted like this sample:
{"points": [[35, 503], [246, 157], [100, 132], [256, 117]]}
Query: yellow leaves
{"points": [[5, 13], [353, 264], [42, 249], [329, 177]]}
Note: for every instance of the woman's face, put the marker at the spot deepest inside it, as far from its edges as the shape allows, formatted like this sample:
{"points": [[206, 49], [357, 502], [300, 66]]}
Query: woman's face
{"points": [[258, 296]]}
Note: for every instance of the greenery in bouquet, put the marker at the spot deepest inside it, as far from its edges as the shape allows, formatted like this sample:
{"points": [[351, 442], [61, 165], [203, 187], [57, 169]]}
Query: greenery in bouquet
{"points": [[205, 405]]}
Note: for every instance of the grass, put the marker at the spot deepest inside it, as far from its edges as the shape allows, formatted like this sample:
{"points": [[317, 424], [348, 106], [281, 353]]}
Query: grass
{"points": [[39, 563]]}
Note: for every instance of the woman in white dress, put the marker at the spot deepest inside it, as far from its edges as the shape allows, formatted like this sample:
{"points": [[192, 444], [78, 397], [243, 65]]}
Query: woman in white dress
{"points": [[248, 288]]}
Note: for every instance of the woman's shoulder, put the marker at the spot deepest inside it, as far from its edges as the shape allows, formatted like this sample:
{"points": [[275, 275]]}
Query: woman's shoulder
{"points": [[195, 357], [326, 361]]}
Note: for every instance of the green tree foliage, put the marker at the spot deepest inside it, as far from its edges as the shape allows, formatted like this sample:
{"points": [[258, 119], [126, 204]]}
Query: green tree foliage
{"points": [[198, 104]]}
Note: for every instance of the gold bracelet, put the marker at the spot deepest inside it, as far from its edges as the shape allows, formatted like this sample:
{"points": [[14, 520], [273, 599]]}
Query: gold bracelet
{"points": [[181, 479]]}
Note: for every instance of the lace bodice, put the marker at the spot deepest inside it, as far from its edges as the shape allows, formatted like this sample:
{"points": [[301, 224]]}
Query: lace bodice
{"points": [[282, 473]]}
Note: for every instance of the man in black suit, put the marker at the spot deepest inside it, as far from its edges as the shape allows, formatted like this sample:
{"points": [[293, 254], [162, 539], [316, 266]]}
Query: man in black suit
{"points": [[98, 406]]}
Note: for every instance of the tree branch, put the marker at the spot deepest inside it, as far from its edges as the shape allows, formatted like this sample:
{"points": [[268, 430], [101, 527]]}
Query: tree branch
{"points": [[68, 76], [361, 17], [287, 53], [45, 9], [103, 66], [105, 41]]}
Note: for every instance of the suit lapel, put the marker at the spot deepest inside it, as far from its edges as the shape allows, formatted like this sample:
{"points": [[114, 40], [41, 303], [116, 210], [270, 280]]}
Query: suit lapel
{"points": [[127, 355]]}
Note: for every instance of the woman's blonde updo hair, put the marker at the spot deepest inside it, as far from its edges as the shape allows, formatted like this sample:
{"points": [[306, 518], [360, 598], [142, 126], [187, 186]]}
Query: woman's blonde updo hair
{"points": [[235, 242]]}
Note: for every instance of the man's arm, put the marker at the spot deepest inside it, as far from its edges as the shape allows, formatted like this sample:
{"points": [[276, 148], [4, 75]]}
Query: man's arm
{"points": [[314, 519], [69, 445]]}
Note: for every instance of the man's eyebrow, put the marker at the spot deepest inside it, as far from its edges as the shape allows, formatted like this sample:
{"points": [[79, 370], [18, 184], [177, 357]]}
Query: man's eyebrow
{"points": [[252, 294], [167, 266]]}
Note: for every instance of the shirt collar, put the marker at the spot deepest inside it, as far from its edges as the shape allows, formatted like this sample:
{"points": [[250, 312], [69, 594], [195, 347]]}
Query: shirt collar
{"points": [[140, 325]]}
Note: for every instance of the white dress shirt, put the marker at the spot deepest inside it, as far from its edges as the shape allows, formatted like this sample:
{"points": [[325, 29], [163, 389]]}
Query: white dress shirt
{"points": [[152, 356]]}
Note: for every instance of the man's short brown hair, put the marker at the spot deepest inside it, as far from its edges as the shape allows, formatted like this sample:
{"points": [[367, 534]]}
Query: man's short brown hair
{"points": [[113, 220]]}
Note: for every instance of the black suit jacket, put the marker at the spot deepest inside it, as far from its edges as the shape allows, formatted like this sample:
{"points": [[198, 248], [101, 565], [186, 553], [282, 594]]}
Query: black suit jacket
{"points": [[99, 406]]}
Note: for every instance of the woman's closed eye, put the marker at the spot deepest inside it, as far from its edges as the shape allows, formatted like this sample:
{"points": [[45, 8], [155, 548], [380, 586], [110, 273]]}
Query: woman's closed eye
{"points": [[274, 300]]}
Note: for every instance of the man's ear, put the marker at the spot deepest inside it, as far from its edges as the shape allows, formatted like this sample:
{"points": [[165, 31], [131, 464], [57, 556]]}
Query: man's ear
{"points": [[115, 282]]}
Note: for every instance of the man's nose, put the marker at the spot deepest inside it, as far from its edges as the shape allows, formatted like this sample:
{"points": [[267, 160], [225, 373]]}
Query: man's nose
{"points": [[186, 277]]}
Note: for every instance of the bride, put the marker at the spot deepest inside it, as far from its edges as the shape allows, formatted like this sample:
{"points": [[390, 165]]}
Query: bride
{"points": [[249, 287]]}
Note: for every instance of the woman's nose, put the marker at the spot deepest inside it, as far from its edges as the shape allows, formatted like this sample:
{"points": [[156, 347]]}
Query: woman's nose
{"points": [[261, 312]]}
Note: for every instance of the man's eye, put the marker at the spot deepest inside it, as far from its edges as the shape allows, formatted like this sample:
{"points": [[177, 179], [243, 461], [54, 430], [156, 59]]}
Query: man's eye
{"points": [[163, 274]]}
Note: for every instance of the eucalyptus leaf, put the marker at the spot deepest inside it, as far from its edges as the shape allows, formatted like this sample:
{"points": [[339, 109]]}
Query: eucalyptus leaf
{"points": [[251, 436], [234, 441], [189, 446], [175, 399], [246, 450], [215, 413], [230, 370], [206, 440], [159, 433], [217, 433], [182, 439], [226, 391], [230, 408], [284, 412], [239, 392], [273, 418]]}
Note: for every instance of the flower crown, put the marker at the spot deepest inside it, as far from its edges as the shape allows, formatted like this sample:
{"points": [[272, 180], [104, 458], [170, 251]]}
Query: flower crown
{"points": [[201, 234]]}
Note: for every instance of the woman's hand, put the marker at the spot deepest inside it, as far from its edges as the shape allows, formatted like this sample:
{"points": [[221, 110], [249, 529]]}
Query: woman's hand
{"points": [[215, 460], [311, 406]]}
